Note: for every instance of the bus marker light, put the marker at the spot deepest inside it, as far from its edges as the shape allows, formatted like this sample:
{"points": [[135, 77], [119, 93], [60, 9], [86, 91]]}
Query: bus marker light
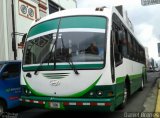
{"points": [[110, 94], [79, 103], [108, 104], [93, 104]]}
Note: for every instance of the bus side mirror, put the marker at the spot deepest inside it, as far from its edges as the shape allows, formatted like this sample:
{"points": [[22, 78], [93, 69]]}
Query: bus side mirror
{"points": [[5, 75], [21, 44], [24, 38]]}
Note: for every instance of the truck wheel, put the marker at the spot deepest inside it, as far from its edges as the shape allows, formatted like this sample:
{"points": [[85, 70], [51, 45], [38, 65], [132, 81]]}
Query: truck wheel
{"points": [[2, 107]]}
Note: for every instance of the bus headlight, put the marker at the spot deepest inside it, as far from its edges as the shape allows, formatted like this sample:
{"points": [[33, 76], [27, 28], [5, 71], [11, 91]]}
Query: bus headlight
{"points": [[100, 93], [30, 92]]}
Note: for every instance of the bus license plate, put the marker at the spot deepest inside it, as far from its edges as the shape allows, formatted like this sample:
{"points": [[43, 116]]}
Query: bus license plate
{"points": [[55, 105]]}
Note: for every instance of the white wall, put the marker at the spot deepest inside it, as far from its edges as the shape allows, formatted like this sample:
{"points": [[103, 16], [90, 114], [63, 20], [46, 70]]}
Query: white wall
{"points": [[6, 52], [23, 23]]}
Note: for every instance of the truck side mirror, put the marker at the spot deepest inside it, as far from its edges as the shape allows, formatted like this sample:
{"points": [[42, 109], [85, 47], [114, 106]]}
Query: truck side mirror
{"points": [[5, 75]]}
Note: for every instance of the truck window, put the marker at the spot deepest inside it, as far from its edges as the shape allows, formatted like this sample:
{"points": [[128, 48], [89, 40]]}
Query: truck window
{"points": [[13, 70]]}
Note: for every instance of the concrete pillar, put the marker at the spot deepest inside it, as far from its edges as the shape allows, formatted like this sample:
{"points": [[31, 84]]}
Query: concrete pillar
{"points": [[5, 29]]}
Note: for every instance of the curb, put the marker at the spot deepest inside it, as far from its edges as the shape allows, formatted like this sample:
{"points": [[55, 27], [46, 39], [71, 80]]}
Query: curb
{"points": [[158, 99]]}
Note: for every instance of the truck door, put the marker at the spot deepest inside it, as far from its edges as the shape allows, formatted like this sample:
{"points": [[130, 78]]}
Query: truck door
{"points": [[10, 83]]}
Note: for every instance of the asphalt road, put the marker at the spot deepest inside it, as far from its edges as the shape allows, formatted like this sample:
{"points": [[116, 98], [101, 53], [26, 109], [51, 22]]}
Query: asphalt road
{"points": [[134, 104]]}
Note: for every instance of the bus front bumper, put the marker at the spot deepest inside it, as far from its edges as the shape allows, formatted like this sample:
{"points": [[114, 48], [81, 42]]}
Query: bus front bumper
{"points": [[80, 104]]}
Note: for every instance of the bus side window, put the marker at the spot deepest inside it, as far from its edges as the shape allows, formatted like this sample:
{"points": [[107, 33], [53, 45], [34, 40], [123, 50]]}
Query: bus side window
{"points": [[125, 43], [117, 49], [129, 46]]}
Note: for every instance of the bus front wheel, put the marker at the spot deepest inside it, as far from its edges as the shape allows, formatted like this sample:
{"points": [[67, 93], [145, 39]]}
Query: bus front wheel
{"points": [[125, 97]]}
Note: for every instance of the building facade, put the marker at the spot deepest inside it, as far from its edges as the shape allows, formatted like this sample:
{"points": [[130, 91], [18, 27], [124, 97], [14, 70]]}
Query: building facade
{"points": [[16, 19], [148, 64]]}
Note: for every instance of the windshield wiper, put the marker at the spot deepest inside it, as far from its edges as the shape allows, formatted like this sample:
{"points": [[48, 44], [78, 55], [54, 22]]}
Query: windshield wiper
{"points": [[55, 43], [72, 65], [69, 60], [50, 56]]}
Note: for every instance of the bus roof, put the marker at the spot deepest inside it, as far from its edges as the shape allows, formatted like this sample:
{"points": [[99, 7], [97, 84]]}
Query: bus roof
{"points": [[75, 11]]}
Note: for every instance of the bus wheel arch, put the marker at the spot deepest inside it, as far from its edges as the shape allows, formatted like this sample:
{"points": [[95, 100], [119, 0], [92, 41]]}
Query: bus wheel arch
{"points": [[128, 85]]}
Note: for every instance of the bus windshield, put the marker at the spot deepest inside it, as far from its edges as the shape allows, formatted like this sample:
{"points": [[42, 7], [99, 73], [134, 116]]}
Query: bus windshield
{"points": [[79, 41]]}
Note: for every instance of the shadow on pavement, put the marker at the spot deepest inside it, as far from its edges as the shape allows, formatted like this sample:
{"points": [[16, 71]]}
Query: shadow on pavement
{"points": [[71, 114]]}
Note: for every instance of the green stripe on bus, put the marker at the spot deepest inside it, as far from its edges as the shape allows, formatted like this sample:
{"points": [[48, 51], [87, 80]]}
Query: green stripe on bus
{"points": [[120, 80], [134, 85], [131, 77], [56, 99], [58, 67], [69, 22]]}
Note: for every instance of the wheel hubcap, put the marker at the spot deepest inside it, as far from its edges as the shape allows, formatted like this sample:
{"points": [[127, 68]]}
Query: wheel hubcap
{"points": [[125, 95], [142, 83]]}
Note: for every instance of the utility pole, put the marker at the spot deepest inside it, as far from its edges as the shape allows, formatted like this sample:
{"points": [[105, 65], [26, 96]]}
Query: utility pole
{"points": [[13, 34]]}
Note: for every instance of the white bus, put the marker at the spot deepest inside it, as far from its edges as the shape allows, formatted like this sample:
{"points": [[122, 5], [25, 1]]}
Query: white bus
{"points": [[81, 59]]}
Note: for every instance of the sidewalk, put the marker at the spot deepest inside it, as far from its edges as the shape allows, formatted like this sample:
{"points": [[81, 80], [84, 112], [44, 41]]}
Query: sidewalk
{"points": [[151, 100]]}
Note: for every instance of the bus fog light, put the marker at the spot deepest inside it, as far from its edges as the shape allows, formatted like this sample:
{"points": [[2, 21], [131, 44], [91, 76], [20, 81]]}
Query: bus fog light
{"points": [[100, 93], [29, 92], [26, 91], [91, 93]]}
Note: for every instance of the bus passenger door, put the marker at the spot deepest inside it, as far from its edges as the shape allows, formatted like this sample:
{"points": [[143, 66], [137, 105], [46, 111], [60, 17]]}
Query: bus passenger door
{"points": [[112, 56]]}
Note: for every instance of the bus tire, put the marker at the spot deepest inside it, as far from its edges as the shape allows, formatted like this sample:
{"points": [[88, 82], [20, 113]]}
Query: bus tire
{"points": [[2, 107], [125, 97]]}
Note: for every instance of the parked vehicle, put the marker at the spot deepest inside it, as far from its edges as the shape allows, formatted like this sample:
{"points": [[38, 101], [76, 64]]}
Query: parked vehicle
{"points": [[10, 90]]}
